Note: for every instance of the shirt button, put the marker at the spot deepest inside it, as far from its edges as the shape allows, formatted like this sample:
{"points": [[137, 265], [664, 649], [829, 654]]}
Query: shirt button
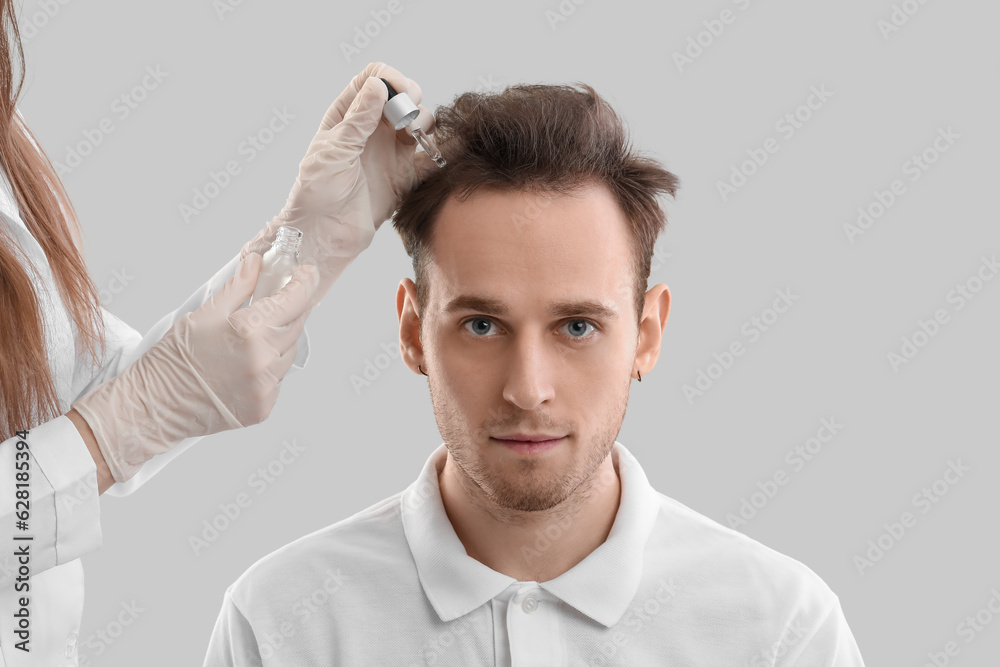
{"points": [[529, 604]]}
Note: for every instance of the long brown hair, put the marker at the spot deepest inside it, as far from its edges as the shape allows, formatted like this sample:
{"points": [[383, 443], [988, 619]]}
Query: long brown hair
{"points": [[541, 139], [27, 390]]}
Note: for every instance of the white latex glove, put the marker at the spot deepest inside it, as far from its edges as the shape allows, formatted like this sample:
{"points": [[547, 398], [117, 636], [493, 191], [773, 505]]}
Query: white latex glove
{"points": [[352, 177], [218, 368]]}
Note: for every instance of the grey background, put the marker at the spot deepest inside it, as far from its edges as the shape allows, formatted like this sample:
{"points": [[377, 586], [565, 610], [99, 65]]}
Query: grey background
{"points": [[723, 260]]}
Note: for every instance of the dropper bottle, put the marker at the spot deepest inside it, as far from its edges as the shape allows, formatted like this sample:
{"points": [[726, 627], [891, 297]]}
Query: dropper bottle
{"points": [[401, 112], [278, 262]]}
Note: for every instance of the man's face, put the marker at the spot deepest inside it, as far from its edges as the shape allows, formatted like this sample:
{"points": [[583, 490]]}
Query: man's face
{"points": [[532, 369]]}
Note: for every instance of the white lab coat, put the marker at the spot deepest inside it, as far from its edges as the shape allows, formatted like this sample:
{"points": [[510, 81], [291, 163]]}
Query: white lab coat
{"points": [[64, 511]]}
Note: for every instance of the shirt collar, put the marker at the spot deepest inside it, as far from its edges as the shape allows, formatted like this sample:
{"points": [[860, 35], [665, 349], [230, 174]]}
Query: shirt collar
{"points": [[600, 586]]}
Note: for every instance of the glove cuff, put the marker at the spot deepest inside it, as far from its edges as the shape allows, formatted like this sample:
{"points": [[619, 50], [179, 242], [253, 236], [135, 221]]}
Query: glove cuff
{"points": [[130, 414]]}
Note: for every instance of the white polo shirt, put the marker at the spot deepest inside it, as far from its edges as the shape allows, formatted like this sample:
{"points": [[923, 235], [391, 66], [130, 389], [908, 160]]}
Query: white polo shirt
{"points": [[392, 586]]}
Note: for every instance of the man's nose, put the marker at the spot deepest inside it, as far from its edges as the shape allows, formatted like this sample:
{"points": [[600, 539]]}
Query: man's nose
{"points": [[529, 374]]}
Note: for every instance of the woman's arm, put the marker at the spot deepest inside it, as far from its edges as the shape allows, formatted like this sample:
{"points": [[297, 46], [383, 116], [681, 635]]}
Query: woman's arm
{"points": [[125, 345], [104, 478]]}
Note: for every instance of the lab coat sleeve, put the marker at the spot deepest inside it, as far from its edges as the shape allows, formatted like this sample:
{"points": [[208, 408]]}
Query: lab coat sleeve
{"points": [[233, 642], [827, 642], [135, 346], [61, 513]]}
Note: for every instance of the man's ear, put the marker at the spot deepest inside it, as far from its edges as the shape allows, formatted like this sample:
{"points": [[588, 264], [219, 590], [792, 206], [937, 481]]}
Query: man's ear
{"points": [[407, 306], [655, 310]]}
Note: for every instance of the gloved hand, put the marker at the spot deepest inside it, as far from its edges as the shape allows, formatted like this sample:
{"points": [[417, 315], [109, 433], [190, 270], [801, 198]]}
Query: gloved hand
{"points": [[350, 181], [218, 368]]}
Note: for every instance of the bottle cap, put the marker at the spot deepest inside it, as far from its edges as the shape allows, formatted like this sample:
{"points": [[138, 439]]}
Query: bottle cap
{"points": [[400, 110]]}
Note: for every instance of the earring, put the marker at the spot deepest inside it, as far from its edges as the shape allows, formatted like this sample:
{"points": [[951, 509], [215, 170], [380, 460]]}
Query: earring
{"points": [[639, 374], [422, 370]]}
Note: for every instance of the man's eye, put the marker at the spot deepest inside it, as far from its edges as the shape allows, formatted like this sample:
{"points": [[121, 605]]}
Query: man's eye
{"points": [[483, 325], [585, 322], [477, 319]]}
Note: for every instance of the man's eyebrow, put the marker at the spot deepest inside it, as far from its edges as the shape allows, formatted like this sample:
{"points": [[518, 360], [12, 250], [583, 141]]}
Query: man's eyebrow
{"points": [[588, 307]]}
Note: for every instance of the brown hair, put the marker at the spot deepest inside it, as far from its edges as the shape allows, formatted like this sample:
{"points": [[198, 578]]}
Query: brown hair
{"points": [[543, 139], [27, 390]]}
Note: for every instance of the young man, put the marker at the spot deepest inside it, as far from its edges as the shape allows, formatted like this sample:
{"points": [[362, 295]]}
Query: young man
{"points": [[530, 317]]}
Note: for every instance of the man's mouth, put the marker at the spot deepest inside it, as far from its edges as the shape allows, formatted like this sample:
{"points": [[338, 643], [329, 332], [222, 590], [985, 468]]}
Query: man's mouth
{"points": [[529, 446]]}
